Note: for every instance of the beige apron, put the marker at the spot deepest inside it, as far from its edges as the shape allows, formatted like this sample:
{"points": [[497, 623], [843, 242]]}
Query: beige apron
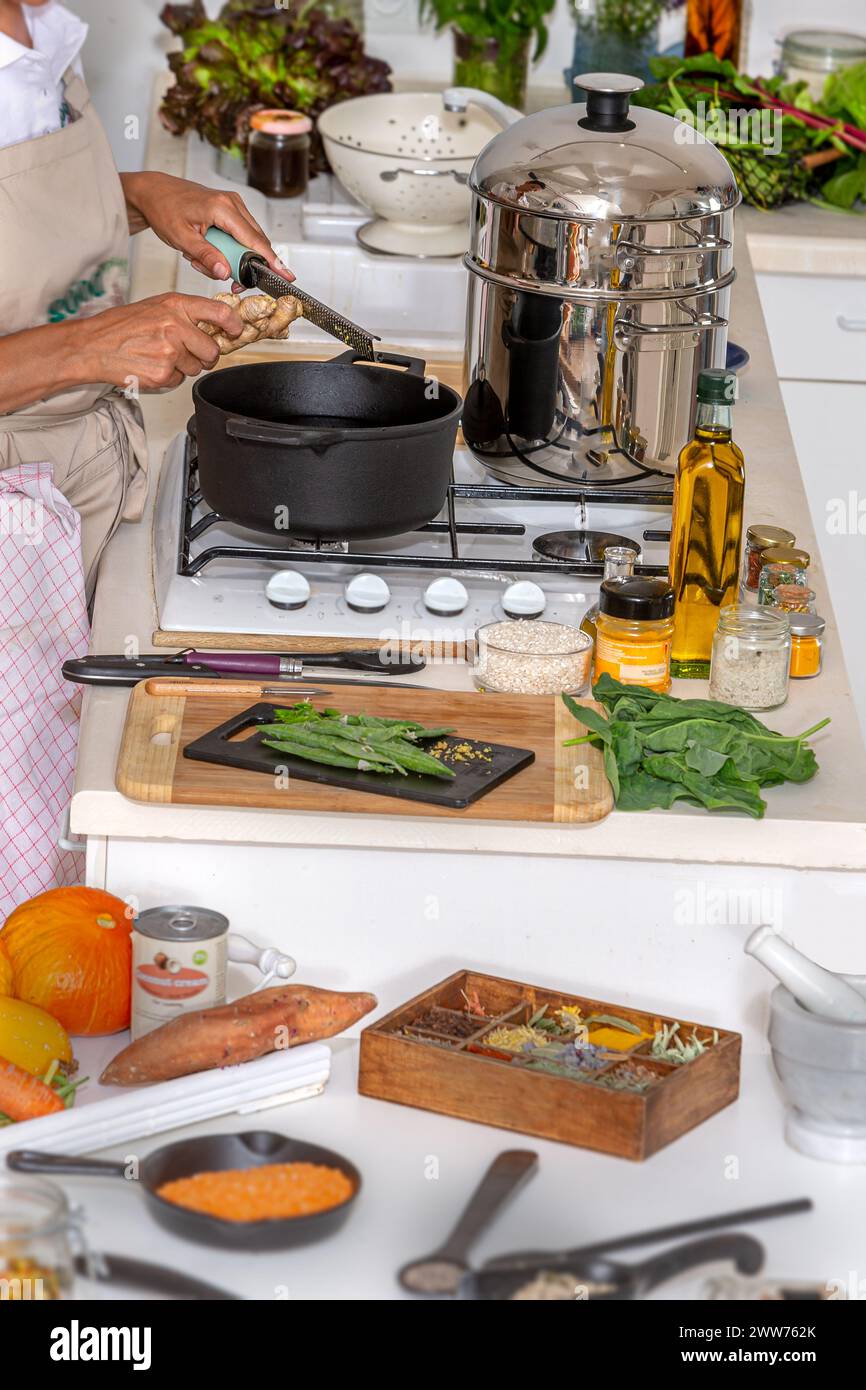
{"points": [[64, 255]]}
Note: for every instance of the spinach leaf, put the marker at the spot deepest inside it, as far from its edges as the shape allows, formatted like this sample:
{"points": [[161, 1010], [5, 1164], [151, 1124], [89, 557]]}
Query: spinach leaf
{"points": [[659, 749]]}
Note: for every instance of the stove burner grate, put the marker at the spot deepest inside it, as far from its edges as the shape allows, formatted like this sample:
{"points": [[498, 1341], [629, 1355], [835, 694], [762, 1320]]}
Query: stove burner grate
{"points": [[326, 551]]}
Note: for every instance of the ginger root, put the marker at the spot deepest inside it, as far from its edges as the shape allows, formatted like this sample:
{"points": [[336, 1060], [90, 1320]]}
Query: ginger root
{"points": [[263, 317]]}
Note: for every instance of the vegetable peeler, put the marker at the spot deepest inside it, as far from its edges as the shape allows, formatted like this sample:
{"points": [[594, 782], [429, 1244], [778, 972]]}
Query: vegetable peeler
{"points": [[253, 272]]}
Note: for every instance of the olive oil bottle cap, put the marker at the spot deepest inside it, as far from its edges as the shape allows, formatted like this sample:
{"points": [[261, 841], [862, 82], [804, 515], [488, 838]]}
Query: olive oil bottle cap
{"points": [[717, 386]]}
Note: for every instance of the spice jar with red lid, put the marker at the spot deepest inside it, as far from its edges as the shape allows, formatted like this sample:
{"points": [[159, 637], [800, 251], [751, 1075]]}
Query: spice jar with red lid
{"points": [[278, 154]]}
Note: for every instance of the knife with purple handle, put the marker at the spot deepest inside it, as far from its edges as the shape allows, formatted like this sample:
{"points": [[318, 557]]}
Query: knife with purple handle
{"points": [[127, 670]]}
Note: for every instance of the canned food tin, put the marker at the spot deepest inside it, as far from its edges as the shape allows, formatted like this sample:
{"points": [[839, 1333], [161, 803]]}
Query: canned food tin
{"points": [[178, 964]]}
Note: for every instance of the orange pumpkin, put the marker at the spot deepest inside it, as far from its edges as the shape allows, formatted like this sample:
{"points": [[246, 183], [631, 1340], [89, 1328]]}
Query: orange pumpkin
{"points": [[5, 971], [71, 955]]}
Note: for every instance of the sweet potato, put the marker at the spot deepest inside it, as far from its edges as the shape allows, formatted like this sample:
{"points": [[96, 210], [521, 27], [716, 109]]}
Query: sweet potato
{"points": [[238, 1032]]}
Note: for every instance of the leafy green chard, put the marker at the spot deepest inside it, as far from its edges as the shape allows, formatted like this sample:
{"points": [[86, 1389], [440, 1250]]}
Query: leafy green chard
{"points": [[658, 749], [710, 93]]}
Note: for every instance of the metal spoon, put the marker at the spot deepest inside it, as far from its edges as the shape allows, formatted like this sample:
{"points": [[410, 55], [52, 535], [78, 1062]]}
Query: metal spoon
{"points": [[439, 1273]]}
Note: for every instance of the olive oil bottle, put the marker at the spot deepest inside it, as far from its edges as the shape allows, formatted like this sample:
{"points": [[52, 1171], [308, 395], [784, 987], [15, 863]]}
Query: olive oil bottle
{"points": [[706, 525]]}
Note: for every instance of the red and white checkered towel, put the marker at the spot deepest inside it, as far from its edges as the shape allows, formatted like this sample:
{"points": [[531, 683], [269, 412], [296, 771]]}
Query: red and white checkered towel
{"points": [[43, 622]]}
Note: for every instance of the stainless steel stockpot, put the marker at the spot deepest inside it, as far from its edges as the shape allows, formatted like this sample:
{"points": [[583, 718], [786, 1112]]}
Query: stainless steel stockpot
{"points": [[601, 259]]}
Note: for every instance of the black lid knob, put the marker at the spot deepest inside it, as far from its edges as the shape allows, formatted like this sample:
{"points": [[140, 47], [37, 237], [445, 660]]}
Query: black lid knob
{"points": [[607, 100]]}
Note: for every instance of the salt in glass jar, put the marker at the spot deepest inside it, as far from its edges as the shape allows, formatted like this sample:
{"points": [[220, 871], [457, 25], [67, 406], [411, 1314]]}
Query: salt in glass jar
{"points": [[751, 658], [531, 657]]}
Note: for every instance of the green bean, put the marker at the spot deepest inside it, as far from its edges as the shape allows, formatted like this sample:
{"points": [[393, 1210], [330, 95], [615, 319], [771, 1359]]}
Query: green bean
{"points": [[317, 755], [317, 738]]}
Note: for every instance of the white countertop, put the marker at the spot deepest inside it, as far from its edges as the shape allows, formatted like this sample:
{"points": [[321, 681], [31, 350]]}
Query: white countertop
{"points": [[821, 824], [419, 1169]]}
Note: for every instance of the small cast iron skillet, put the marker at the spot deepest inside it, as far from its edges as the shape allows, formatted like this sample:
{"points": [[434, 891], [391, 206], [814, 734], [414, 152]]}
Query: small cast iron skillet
{"points": [[210, 1153], [597, 1277]]}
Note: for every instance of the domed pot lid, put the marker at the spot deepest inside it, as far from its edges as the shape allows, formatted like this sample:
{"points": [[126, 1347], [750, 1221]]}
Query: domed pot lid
{"points": [[605, 161]]}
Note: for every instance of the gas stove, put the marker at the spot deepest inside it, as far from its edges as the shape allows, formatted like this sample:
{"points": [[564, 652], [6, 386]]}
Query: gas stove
{"points": [[476, 563]]}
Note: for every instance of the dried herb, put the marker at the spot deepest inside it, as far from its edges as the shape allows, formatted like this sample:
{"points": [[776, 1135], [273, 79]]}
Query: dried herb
{"points": [[669, 1046]]}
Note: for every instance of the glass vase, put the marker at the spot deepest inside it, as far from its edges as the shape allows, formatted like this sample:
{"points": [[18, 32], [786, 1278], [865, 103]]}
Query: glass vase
{"points": [[498, 66], [614, 36]]}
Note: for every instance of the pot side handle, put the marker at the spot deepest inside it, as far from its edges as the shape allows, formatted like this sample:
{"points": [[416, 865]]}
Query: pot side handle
{"points": [[415, 366], [265, 432]]}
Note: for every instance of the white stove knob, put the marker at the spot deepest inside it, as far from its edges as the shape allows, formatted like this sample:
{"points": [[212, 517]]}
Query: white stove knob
{"points": [[446, 597], [287, 589], [367, 593], [524, 600]]}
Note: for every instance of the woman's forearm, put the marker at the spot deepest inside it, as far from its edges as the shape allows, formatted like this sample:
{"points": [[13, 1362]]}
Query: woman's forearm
{"points": [[40, 362], [134, 216]]}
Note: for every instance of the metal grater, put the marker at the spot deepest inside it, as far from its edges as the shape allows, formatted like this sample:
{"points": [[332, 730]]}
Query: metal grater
{"points": [[327, 319]]}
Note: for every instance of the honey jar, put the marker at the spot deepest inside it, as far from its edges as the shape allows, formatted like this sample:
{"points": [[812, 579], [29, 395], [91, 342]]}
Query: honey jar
{"points": [[635, 628], [278, 154]]}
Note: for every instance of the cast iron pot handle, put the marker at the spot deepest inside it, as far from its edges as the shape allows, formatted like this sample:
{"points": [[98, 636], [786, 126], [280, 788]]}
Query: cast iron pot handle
{"points": [[34, 1161], [262, 432], [746, 1253], [415, 366]]}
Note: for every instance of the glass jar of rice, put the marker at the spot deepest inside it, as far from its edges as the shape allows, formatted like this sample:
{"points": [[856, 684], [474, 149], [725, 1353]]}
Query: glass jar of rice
{"points": [[528, 657]]}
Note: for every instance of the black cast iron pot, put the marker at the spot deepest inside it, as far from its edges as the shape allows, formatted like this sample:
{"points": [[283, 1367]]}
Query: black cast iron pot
{"points": [[337, 450]]}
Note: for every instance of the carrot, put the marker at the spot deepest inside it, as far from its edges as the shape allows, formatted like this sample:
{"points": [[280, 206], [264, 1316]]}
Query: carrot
{"points": [[238, 1032], [23, 1096]]}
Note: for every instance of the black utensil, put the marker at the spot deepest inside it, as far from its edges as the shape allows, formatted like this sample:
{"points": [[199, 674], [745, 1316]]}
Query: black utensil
{"points": [[439, 1273], [596, 1277], [126, 670], [140, 1274], [211, 1153], [553, 1259]]}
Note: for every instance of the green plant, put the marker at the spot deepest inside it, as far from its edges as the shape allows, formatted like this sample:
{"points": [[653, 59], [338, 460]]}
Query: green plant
{"points": [[255, 55], [508, 21], [627, 19], [822, 155], [658, 750]]}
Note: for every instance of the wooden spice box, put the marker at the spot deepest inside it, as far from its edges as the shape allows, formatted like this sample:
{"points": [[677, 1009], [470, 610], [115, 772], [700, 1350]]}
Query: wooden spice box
{"points": [[408, 1057]]}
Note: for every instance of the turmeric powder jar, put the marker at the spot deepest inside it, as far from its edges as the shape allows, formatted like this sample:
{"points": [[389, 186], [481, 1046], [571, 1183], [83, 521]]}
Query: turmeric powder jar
{"points": [[807, 644], [635, 628]]}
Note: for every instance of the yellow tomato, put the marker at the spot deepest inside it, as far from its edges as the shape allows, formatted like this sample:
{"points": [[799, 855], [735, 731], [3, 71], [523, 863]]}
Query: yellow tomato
{"points": [[30, 1037]]}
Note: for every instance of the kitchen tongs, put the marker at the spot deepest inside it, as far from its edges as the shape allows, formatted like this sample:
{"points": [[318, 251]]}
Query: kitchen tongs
{"points": [[253, 272]]}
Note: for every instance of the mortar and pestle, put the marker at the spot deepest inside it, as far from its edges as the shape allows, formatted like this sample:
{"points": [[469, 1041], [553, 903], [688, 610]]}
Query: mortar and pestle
{"points": [[818, 1041]]}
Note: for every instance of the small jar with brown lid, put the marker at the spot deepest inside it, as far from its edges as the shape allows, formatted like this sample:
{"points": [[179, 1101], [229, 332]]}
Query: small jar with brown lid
{"points": [[634, 631], [278, 154], [781, 564], [759, 539]]}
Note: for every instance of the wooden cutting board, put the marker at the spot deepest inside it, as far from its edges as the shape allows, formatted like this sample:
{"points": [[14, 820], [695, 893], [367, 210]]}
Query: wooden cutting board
{"points": [[562, 784]]}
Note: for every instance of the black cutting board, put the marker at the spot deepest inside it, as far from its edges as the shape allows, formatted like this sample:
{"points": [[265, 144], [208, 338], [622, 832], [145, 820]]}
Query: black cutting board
{"points": [[473, 778]]}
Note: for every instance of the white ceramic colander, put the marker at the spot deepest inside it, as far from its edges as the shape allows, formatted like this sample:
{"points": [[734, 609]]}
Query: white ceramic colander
{"points": [[407, 159]]}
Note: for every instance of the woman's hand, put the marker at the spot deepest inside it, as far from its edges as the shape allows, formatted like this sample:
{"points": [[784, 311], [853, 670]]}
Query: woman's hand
{"points": [[146, 346], [154, 343], [181, 212]]}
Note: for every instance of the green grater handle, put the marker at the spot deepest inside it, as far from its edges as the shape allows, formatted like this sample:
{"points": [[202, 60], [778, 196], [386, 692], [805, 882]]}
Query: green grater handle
{"points": [[228, 247]]}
